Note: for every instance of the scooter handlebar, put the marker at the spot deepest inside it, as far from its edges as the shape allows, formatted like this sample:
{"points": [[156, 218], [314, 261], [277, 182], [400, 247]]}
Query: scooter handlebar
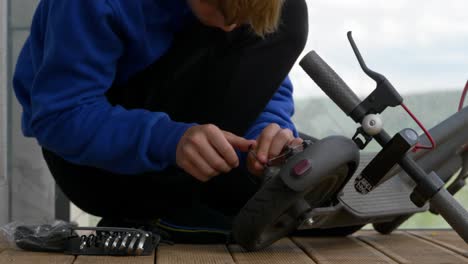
{"points": [[452, 211], [327, 79]]}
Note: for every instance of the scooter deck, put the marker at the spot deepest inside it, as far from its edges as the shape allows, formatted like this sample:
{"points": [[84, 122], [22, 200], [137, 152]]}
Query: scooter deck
{"points": [[390, 198], [388, 201]]}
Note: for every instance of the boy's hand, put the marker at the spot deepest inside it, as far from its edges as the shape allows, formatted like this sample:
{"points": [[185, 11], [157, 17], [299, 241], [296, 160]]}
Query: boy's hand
{"points": [[205, 151], [270, 144]]}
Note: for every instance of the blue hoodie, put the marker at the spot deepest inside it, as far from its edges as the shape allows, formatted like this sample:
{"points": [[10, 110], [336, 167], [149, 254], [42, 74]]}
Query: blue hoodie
{"points": [[76, 50]]}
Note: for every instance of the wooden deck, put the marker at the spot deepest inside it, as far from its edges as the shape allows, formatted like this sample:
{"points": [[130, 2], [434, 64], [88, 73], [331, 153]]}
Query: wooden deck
{"points": [[434, 246]]}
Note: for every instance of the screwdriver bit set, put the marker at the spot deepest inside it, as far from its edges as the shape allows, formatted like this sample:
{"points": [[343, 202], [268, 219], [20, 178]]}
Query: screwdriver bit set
{"points": [[99, 241], [113, 242]]}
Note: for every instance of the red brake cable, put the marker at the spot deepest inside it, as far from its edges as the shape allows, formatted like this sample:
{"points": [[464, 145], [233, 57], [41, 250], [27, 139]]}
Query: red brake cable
{"points": [[462, 99], [431, 139]]}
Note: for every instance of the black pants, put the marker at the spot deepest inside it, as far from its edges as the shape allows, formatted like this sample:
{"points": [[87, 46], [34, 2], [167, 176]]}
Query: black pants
{"points": [[208, 76]]}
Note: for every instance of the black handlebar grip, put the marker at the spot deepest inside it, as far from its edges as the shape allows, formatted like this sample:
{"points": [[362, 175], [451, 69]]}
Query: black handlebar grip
{"points": [[327, 79]]}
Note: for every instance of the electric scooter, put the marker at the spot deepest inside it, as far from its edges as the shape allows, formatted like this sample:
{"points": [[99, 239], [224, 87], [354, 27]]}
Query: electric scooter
{"points": [[328, 185]]}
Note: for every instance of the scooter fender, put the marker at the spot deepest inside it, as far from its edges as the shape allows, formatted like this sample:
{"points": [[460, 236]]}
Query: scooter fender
{"points": [[319, 160]]}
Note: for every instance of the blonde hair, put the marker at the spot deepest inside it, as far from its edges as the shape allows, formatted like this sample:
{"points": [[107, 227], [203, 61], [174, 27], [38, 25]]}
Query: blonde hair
{"points": [[262, 15]]}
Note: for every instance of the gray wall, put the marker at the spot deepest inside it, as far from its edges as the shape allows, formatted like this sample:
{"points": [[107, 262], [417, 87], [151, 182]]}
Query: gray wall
{"points": [[31, 186], [4, 201]]}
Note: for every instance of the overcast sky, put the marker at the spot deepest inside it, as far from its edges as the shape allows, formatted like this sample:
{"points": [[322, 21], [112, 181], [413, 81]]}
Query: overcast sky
{"points": [[420, 45]]}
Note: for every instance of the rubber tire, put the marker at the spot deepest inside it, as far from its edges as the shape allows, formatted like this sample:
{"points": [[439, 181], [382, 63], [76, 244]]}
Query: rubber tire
{"points": [[388, 227], [259, 212]]}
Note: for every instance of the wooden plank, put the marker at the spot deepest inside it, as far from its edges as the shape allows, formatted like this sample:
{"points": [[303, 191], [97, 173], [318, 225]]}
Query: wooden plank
{"points": [[404, 248], [193, 254], [3, 243], [445, 238], [24, 257], [283, 251], [340, 250], [114, 260]]}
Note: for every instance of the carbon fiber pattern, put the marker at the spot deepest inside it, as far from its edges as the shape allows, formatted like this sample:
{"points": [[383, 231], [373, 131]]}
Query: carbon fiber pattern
{"points": [[327, 79]]}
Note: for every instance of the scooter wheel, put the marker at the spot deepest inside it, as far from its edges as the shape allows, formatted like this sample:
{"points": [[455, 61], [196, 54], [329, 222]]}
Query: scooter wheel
{"points": [[272, 212]]}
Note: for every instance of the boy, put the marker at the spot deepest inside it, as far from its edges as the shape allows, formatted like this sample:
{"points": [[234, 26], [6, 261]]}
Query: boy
{"points": [[145, 109]]}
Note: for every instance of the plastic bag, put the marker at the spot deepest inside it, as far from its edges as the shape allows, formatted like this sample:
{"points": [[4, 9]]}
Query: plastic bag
{"points": [[41, 237]]}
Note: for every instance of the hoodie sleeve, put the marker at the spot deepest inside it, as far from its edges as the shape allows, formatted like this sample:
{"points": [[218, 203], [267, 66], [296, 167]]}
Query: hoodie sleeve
{"points": [[71, 115], [279, 110]]}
